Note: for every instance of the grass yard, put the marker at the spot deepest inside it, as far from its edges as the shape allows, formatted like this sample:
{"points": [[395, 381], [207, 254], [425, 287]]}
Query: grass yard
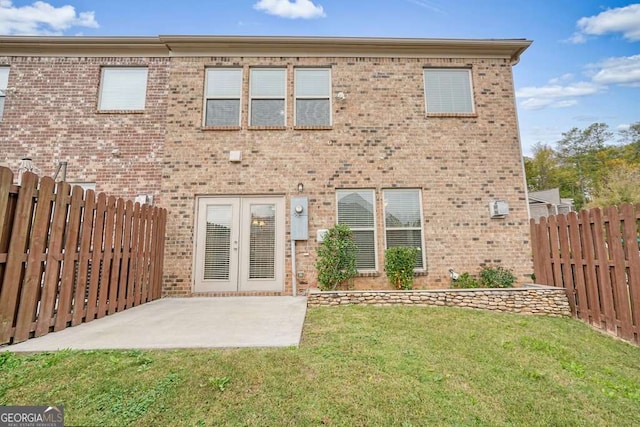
{"points": [[404, 366]]}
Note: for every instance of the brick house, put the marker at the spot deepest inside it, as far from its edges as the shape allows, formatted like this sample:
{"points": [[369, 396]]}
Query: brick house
{"points": [[250, 141]]}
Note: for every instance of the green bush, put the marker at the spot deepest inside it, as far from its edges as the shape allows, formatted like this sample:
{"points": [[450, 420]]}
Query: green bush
{"points": [[336, 258], [496, 277], [399, 263], [465, 281]]}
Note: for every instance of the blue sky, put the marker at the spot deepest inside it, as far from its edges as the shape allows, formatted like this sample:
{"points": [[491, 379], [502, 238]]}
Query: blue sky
{"points": [[583, 67]]}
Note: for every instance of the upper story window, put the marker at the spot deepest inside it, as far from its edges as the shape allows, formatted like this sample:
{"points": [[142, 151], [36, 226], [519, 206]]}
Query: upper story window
{"points": [[123, 88], [267, 97], [223, 91], [448, 90], [4, 82], [313, 97], [356, 209], [403, 220]]}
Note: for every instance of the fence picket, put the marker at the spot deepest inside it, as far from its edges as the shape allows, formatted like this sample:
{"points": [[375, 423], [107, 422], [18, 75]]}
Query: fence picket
{"points": [[107, 255], [578, 267], [630, 236], [16, 257], [96, 258], [565, 262], [54, 259], [33, 274], [133, 267], [67, 283], [124, 266], [620, 291], [117, 255], [84, 258], [601, 264]]}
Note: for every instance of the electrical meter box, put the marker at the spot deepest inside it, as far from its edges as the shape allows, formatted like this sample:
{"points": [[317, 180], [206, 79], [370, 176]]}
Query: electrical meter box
{"points": [[299, 218]]}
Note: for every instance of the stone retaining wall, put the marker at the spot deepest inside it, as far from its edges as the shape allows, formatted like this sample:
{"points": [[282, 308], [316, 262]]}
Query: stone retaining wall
{"points": [[532, 299]]}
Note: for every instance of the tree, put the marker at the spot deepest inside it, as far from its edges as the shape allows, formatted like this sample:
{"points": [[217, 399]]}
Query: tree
{"points": [[631, 137], [579, 148], [618, 186], [542, 169]]}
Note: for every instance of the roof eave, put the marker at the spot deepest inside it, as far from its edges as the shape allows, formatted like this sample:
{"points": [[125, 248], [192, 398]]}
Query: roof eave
{"points": [[169, 45]]}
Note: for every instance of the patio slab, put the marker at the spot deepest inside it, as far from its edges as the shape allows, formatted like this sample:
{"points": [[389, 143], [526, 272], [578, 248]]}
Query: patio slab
{"points": [[197, 322]]}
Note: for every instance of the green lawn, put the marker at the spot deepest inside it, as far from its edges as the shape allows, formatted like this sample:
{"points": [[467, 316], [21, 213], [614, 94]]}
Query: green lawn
{"points": [[404, 366]]}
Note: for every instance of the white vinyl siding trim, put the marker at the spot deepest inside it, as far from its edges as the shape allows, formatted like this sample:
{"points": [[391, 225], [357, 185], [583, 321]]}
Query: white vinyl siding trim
{"points": [[123, 88], [4, 83], [313, 97], [403, 221], [357, 210], [223, 93], [267, 94], [448, 90]]}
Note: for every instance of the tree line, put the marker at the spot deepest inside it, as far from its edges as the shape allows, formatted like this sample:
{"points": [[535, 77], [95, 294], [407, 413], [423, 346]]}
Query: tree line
{"points": [[594, 166]]}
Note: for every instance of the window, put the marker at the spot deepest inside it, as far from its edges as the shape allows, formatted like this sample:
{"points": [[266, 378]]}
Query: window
{"points": [[313, 91], [123, 88], [448, 90], [222, 93], [403, 220], [267, 97], [356, 209], [4, 82]]}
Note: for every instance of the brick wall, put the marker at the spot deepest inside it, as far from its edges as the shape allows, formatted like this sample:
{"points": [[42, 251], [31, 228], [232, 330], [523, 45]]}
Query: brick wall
{"points": [[380, 138], [51, 115]]}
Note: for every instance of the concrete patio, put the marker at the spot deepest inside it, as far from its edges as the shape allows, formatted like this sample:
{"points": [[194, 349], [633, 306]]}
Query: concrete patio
{"points": [[185, 323]]}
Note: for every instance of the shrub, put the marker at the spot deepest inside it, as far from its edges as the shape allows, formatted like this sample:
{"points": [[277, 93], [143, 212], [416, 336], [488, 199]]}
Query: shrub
{"points": [[336, 258], [496, 277], [465, 281], [399, 263]]}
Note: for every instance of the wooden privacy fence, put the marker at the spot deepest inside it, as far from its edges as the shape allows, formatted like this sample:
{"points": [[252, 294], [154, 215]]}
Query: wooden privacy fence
{"points": [[68, 257], [594, 255]]}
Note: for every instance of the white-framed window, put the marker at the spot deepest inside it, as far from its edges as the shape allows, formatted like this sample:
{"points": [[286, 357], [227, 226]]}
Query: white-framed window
{"points": [[448, 90], [4, 83], [356, 209], [223, 93], [403, 220], [123, 88], [313, 97], [267, 94]]}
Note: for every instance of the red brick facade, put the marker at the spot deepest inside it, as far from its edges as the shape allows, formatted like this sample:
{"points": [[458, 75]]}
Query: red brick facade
{"points": [[380, 137]]}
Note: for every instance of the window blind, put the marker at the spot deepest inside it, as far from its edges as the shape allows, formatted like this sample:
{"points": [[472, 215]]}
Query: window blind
{"points": [[123, 89], [4, 83], [268, 83], [403, 220], [356, 209], [218, 242], [262, 242], [448, 90], [313, 97], [223, 90]]}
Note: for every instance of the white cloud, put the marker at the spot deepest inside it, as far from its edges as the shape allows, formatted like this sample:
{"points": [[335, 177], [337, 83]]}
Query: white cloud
{"points": [[291, 9], [555, 95], [623, 70], [625, 20], [567, 77], [41, 18]]}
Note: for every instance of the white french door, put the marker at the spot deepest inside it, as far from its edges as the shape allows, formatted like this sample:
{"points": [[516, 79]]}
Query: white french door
{"points": [[239, 244]]}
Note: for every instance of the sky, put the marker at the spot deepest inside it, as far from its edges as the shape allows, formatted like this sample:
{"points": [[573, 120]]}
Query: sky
{"points": [[583, 66]]}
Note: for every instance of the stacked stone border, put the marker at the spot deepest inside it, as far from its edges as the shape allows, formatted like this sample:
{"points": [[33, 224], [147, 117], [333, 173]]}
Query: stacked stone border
{"points": [[530, 299]]}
